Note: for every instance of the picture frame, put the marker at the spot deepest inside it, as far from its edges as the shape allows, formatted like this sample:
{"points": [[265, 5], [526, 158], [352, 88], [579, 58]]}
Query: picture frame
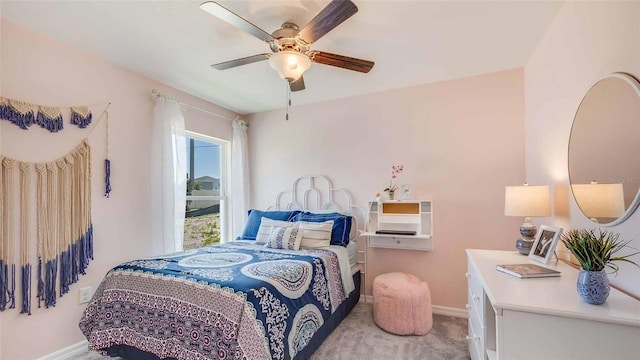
{"points": [[545, 243], [407, 189]]}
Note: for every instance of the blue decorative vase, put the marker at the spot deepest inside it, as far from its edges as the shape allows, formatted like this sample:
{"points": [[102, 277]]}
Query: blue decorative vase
{"points": [[593, 286]]}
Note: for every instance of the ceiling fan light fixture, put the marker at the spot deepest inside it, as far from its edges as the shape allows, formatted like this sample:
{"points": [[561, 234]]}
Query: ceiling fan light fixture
{"points": [[290, 65]]}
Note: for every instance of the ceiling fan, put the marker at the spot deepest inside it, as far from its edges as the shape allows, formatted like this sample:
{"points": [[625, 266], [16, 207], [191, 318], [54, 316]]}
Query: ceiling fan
{"points": [[290, 53]]}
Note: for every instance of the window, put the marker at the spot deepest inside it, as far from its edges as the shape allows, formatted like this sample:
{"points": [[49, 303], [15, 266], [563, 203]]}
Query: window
{"points": [[205, 215]]}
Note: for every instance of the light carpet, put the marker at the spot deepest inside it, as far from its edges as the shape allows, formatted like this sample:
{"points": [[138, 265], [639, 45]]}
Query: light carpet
{"points": [[358, 338]]}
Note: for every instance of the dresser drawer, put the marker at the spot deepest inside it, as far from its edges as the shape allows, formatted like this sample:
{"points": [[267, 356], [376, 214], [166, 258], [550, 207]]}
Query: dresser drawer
{"points": [[476, 343], [475, 305], [473, 279], [476, 292], [401, 242]]}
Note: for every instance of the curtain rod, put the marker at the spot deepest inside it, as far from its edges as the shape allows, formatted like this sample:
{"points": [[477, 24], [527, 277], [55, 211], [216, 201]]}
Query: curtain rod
{"points": [[155, 93]]}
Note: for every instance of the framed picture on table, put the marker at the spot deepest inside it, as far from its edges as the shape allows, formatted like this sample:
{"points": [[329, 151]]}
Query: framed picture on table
{"points": [[407, 189], [545, 243]]}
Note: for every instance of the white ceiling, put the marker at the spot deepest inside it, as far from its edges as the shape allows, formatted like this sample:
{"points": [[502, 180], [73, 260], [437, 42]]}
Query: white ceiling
{"points": [[411, 42]]}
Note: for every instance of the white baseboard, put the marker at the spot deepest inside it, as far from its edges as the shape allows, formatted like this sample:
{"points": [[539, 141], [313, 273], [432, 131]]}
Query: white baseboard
{"points": [[449, 311], [68, 352], [436, 309]]}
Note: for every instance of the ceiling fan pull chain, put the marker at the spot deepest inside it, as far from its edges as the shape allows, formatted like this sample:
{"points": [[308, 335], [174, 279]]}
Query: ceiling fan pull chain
{"points": [[288, 100]]}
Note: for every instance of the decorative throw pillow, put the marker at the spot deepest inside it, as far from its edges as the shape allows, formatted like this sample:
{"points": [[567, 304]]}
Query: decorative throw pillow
{"points": [[341, 224], [284, 238], [266, 226], [315, 235], [253, 222]]}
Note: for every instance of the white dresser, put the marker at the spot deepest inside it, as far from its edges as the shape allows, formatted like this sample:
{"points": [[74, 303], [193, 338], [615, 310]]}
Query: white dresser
{"points": [[543, 318]]}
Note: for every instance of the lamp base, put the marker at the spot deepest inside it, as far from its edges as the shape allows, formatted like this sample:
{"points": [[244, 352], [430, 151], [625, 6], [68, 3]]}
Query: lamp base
{"points": [[527, 231], [524, 246]]}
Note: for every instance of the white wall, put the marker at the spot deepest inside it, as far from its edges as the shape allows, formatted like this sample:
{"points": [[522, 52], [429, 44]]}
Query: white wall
{"points": [[41, 71], [587, 41], [461, 142]]}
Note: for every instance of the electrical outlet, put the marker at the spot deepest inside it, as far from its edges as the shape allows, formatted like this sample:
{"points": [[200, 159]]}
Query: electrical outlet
{"points": [[85, 295]]}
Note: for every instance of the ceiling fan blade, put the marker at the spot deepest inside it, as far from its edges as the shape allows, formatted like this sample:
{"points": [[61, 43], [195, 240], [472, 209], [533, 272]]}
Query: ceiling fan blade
{"points": [[331, 16], [297, 85], [345, 62], [232, 18], [239, 62]]}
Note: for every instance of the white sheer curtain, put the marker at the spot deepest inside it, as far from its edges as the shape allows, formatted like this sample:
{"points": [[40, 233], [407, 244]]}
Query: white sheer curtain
{"points": [[239, 177], [168, 177]]}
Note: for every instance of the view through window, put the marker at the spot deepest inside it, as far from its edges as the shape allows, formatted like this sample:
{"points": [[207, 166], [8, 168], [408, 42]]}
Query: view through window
{"points": [[205, 212]]}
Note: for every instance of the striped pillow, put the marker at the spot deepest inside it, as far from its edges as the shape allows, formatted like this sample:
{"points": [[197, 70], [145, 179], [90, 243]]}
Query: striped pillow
{"points": [[315, 235], [266, 226], [284, 238]]}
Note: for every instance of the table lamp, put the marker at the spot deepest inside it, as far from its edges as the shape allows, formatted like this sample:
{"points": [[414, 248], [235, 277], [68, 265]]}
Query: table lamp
{"points": [[527, 200], [599, 200]]}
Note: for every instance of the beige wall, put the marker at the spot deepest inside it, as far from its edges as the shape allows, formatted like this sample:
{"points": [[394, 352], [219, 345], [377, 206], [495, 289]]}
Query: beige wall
{"points": [[587, 41], [461, 142], [41, 71]]}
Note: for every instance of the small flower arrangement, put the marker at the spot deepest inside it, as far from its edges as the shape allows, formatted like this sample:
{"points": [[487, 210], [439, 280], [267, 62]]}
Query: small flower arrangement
{"points": [[395, 170]]}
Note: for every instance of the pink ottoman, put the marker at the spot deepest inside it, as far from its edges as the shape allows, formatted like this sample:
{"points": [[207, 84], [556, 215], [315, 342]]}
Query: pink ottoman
{"points": [[402, 304]]}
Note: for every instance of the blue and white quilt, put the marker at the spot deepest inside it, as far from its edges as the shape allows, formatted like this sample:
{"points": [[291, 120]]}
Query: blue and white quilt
{"points": [[229, 301]]}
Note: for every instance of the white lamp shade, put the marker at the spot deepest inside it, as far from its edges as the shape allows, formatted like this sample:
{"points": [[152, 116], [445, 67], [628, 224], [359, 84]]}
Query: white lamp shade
{"points": [[527, 200], [599, 200], [290, 65]]}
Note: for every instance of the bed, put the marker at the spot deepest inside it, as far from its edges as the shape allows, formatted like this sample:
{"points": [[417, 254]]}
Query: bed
{"points": [[238, 300]]}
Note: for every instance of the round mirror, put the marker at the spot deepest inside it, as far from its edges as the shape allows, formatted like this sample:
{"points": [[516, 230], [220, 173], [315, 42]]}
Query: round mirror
{"points": [[604, 150]]}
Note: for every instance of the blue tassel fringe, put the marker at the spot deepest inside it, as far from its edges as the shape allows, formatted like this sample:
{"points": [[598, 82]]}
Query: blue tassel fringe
{"points": [[65, 271], [50, 277], [40, 282], [81, 121], [26, 289], [53, 125], [3, 286], [72, 262], [107, 177], [12, 289], [22, 121], [7, 286]]}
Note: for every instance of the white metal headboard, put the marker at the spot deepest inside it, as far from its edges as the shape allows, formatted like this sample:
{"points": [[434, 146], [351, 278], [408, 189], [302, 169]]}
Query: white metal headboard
{"points": [[316, 193]]}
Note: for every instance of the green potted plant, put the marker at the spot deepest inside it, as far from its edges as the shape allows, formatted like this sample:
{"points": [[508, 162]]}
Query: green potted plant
{"points": [[595, 250]]}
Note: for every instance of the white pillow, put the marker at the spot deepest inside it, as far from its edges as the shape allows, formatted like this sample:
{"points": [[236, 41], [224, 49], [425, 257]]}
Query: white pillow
{"points": [[315, 234], [284, 238], [266, 225], [353, 234]]}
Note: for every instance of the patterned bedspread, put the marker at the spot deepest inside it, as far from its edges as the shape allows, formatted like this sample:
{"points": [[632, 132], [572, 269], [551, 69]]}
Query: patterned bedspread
{"points": [[230, 301]]}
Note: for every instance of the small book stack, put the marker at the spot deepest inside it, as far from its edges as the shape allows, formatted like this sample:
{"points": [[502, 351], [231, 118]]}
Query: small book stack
{"points": [[524, 271]]}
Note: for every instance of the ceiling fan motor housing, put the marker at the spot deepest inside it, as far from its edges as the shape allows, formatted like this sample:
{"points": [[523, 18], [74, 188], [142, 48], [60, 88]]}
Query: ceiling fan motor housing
{"points": [[286, 39]]}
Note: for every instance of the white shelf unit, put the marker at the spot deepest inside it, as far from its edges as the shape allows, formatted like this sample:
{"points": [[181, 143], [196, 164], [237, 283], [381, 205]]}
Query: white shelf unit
{"points": [[411, 215]]}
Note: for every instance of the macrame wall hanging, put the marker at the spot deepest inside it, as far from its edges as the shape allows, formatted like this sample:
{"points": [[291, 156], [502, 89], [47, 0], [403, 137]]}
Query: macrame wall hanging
{"points": [[64, 234], [24, 114], [64, 230]]}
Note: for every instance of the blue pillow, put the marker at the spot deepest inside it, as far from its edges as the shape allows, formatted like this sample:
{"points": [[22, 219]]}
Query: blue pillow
{"points": [[341, 225], [255, 216]]}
